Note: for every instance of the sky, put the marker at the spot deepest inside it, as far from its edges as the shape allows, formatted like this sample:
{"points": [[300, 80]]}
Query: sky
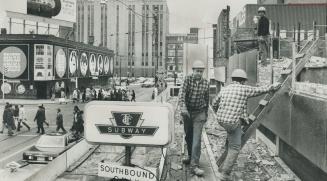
{"points": [[184, 14]]}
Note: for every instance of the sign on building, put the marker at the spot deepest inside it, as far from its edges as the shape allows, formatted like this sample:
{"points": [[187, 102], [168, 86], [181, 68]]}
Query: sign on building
{"points": [[113, 170], [122, 123], [43, 62], [13, 61]]}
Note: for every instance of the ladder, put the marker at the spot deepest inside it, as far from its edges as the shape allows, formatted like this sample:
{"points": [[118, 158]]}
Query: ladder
{"points": [[270, 98]]}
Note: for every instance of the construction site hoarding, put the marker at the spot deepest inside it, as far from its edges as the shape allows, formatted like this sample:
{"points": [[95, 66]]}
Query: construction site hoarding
{"points": [[193, 52]]}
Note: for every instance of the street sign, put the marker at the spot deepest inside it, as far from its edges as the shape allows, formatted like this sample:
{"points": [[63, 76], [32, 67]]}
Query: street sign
{"points": [[127, 123], [113, 170]]}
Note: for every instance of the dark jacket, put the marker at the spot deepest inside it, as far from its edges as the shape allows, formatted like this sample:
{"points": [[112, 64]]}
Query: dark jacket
{"points": [[8, 117], [59, 118], [16, 112], [40, 115], [263, 26]]}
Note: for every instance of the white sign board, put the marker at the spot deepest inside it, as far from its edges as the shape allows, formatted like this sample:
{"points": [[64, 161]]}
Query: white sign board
{"points": [[126, 123], [113, 170]]}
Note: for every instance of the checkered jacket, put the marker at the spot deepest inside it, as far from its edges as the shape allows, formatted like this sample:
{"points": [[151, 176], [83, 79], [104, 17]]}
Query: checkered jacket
{"points": [[193, 96], [231, 102]]}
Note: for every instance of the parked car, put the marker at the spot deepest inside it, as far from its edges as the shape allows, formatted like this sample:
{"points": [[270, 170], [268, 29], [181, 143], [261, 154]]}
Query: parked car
{"points": [[48, 147], [148, 83]]}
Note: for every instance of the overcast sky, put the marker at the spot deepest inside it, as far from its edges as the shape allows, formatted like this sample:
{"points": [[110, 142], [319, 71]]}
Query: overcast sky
{"points": [[184, 14]]}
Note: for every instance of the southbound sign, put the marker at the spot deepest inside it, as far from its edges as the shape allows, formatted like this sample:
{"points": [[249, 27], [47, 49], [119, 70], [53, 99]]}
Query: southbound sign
{"points": [[126, 124], [112, 170]]}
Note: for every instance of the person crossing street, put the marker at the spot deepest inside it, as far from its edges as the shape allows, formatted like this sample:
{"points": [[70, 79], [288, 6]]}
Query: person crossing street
{"points": [[22, 119], [60, 121], [230, 106], [194, 103], [40, 119]]}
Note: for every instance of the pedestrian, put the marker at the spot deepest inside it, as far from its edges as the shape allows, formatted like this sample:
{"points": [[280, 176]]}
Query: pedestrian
{"points": [[16, 116], [4, 124], [8, 119], [84, 96], [119, 95], [40, 119], [22, 119], [194, 103], [80, 123], [75, 98], [133, 96], [75, 112], [100, 95], [60, 121], [263, 35], [230, 106]]}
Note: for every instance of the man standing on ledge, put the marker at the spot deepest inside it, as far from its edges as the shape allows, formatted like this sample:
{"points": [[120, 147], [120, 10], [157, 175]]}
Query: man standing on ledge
{"points": [[263, 33], [194, 103]]}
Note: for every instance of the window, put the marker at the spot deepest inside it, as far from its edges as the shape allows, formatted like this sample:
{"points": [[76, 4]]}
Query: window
{"points": [[180, 53], [171, 46], [171, 53]]}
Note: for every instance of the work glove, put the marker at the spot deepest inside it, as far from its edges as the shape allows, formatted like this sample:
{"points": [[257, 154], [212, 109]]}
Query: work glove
{"points": [[276, 86], [185, 113]]}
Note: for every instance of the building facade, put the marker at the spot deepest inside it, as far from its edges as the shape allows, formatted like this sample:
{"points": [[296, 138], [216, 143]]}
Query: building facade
{"points": [[174, 54], [37, 56]]}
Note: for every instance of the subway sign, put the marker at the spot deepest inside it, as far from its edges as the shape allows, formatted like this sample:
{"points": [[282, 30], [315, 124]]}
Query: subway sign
{"points": [[129, 123]]}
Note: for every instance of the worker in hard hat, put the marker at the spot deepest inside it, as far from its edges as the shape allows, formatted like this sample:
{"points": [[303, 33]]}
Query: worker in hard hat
{"points": [[263, 33], [194, 103], [230, 106]]}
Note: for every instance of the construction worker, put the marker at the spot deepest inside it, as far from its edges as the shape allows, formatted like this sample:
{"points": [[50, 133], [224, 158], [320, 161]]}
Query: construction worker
{"points": [[263, 33], [230, 106], [194, 103]]}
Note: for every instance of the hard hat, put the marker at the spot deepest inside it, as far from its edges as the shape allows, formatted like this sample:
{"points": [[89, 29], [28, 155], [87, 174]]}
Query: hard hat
{"points": [[239, 73], [262, 9], [198, 64]]}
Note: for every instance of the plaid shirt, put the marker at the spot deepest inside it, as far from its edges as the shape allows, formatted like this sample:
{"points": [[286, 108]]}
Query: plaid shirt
{"points": [[194, 96], [231, 101]]}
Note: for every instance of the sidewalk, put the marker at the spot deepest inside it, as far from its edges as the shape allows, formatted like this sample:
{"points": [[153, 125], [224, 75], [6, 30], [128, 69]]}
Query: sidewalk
{"points": [[32, 101]]}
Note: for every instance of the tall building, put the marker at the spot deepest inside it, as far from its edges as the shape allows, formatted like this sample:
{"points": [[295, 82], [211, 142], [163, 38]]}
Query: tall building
{"points": [[174, 63], [134, 29], [139, 36]]}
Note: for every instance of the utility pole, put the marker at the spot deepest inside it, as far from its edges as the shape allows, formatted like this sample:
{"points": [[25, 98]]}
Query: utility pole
{"points": [[156, 35]]}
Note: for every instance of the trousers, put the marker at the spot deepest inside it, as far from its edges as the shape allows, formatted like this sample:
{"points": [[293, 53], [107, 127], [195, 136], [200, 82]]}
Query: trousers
{"points": [[193, 126]]}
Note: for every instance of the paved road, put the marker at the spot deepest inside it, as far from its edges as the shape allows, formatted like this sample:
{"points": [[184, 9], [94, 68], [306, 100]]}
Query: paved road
{"points": [[11, 147]]}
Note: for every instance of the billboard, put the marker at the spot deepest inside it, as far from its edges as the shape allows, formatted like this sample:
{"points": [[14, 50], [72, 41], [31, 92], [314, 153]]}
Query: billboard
{"points": [[56, 9], [43, 62], [60, 62], [100, 65], [72, 62], [14, 61], [84, 64]]}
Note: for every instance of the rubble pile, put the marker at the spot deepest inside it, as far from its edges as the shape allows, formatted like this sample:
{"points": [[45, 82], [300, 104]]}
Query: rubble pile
{"points": [[264, 72]]}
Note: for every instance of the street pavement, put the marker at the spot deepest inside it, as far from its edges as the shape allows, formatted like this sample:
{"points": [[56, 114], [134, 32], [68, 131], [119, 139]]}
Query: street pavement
{"points": [[23, 139]]}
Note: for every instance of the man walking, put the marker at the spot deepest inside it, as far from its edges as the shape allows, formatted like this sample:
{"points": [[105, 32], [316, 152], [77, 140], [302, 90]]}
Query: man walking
{"points": [[194, 102], [133, 96], [230, 106], [263, 33], [22, 119], [40, 119], [60, 121], [8, 119]]}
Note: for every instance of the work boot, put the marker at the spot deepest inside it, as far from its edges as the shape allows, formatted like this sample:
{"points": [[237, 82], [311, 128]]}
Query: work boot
{"points": [[223, 176], [197, 171], [186, 160]]}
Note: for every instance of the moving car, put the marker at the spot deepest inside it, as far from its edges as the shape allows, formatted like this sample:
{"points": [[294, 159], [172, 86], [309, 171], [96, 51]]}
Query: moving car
{"points": [[48, 147]]}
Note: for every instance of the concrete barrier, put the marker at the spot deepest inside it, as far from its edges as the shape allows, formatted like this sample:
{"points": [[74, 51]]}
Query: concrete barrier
{"points": [[61, 163]]}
